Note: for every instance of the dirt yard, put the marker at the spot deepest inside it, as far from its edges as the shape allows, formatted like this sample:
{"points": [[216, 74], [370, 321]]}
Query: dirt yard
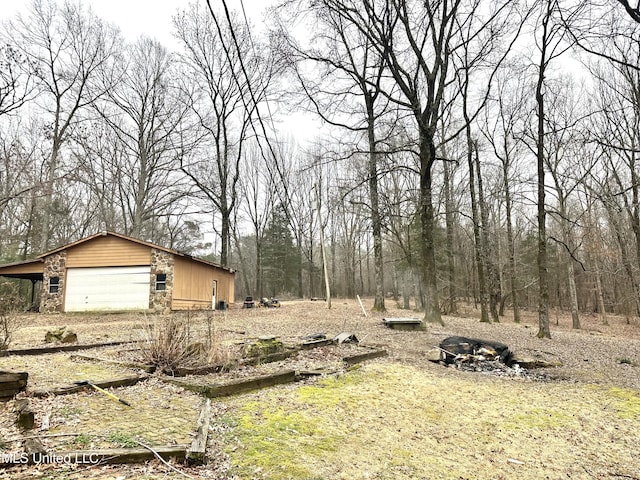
{"points": [[397, 417]]}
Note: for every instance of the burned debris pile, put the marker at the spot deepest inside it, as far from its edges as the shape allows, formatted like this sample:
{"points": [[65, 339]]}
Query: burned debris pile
{"points": [[495, 358]]}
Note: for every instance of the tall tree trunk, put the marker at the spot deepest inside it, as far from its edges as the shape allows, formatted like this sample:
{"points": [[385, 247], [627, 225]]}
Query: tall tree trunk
{"points": [[406, 291], [299, 263], [478, 245], [452, 306], [259, 275], [245, 277], [225, 233], [427, 221], [571, 274], [510, 243], [600, 295], [49, 189], [312, 282], [573, 295], [492, 283], [376, 221], [543, 273]]}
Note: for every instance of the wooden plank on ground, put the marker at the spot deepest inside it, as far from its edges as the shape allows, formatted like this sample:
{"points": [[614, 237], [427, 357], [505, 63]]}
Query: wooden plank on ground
{"points": [[361, 357], [236, 386], [196, 454], [60, 348], [403, 323], [13, 376], [108, 361], [73, 388]]}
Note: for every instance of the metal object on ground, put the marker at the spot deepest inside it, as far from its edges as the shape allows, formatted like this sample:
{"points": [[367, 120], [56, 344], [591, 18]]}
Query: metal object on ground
{"points": [[103, 391]]}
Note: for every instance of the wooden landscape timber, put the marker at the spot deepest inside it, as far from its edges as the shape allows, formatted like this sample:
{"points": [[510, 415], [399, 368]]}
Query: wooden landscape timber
{"points": [[233, 387], [138, 366], [236, 386], [361, 357], [11, 383], [74, 388], [61, 348], [105, 456], [196, 454], [402, 323]]}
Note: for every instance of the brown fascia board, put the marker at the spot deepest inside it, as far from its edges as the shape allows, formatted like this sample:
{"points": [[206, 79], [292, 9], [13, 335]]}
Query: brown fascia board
{"points": [[135, 240], [22, 274]]}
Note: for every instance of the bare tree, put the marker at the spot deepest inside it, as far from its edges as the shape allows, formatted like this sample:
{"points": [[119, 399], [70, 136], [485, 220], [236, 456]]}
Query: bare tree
{"points": [[551, 44], [225, 75], [567, 164], [145, 113], [16, 78], [634, 12], [67, 48], [19, 183], [344, 90], [615, 130], [257, 191], [500, 128], [418, 42]]}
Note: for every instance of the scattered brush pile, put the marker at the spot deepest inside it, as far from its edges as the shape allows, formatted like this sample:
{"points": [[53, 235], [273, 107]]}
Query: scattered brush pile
{"points": [[168, 345]]}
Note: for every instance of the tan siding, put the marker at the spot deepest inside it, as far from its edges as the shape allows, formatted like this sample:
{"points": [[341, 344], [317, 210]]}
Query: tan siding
{"points": [[190, 305], [193, 284], [108, 251], [35, 267]]}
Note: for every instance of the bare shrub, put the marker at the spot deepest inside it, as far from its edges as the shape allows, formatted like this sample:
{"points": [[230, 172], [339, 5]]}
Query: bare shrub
{"points": [[10, 320], [171, 343], [166, 344], [217, 352]]}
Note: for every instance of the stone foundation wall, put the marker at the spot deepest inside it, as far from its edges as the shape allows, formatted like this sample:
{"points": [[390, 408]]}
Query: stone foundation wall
{"points": [[54, 266], [161, 262]]}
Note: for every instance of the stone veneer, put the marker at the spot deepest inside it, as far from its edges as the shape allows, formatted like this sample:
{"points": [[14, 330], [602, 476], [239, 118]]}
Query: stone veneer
{"points": [[54, 266], [161, 262]]}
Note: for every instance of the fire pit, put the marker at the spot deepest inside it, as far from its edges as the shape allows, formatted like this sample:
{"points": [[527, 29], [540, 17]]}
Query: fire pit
{"points": [[486, 356], [464, 350]]}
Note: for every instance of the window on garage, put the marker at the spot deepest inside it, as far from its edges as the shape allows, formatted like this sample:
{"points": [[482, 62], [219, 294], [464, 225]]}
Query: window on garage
{"points": [[54, 284], [161, 281]]}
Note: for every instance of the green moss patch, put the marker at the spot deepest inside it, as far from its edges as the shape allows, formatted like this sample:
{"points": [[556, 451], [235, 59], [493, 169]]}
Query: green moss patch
{"points": [[628, 405], [264, 346], [389, 420]]}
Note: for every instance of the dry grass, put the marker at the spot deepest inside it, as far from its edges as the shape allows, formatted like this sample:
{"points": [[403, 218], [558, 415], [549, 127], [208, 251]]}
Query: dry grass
{"points": [[405, 417], [393, 421]]}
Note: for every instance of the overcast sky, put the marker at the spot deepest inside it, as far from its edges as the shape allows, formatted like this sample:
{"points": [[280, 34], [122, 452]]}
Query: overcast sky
{"points": [[151, 17]]}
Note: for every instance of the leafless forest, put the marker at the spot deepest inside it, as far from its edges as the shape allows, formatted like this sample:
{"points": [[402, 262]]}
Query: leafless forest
{"points": [[468, 151]]}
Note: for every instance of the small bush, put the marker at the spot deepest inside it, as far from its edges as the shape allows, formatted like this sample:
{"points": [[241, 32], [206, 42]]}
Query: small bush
{"points": [[83, 440], [122, 440], [627, 361], [166, 344], [170, 344], [10, 307], [217, 352]]}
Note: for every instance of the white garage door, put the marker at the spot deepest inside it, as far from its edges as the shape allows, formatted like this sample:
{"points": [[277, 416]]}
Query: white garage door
{"points": [[112, 288]]}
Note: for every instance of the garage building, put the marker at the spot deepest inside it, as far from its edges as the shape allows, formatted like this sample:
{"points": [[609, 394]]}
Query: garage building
{"points": [[112, 272]]}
